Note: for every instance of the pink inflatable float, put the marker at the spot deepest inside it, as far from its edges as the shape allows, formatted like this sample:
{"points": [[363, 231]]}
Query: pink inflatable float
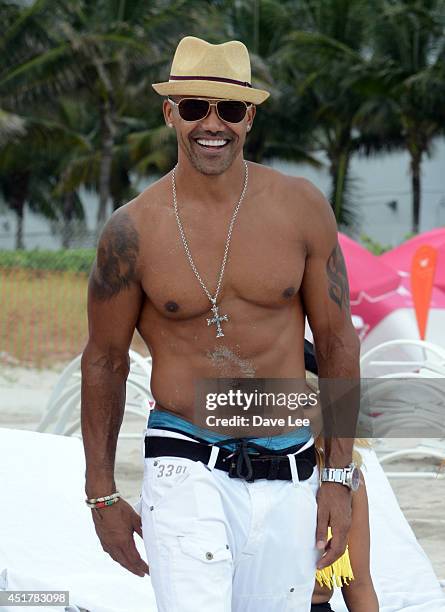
{"points": [[380, 289], [400, 258]]}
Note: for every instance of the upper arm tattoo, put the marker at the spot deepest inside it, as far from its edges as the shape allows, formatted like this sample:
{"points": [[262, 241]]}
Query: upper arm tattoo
{"points": [[338, 278], [115, 266]]}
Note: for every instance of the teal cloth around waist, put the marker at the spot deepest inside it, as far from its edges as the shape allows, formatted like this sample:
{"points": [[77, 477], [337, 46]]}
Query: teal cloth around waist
{"points": [[163, 419]]}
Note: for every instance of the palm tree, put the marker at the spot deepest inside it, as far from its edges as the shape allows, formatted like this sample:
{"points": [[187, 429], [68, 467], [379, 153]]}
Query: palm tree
{"points": [[323, 61], [12, 186], [100, 52], [407, 81], [281, 127], [30, 163]]}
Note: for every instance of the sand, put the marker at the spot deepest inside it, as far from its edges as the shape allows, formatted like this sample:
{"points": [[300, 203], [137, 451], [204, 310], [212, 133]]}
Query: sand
{"points": [[24, 394]]}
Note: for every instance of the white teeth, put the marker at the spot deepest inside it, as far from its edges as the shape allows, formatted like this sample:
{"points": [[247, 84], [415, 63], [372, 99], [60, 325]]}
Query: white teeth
{"points": [[212, 143]]}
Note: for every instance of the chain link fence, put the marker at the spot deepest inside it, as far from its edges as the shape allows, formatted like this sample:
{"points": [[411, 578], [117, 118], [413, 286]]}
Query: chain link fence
{"points": [[43, 306], [43, 315]]}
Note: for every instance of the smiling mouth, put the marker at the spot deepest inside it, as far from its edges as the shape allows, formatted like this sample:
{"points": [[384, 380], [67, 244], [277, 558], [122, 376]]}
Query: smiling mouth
{"points": [[212, 143]]}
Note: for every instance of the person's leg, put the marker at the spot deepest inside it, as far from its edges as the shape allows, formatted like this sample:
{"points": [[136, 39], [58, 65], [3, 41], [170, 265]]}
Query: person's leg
{"points": [[275, 571], [185, 536]]}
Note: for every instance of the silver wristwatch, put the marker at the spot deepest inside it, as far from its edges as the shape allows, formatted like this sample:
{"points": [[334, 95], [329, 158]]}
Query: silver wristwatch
{"points": [[348, 476]]}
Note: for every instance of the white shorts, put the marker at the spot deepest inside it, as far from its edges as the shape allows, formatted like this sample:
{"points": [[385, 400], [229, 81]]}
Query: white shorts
{"points": [[221, 544]]}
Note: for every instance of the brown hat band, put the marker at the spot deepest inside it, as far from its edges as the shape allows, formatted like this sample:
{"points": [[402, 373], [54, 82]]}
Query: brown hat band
{"points": [[209, 78]]}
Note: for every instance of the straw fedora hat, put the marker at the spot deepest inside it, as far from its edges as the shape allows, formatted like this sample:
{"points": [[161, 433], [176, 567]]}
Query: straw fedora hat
{"points": [[215, 71]]}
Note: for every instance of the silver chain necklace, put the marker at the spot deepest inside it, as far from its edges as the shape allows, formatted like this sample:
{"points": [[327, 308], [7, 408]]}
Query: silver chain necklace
{"points": [[217, 318]]}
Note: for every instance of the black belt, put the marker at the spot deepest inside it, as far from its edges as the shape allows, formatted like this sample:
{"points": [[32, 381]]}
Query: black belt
{"points": [[238, 463]]}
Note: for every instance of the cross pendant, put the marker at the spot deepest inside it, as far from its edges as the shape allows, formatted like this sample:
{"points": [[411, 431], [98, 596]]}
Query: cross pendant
{"points": [[217, 319]]}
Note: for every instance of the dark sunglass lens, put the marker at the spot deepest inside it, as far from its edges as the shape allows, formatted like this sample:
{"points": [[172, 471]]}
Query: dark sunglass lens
{"points": [[232, 111], [193, 110]]}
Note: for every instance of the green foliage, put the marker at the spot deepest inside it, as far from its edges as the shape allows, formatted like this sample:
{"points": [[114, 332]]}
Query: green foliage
{"points": [[73, 260], [374, 246], [347, 77]]}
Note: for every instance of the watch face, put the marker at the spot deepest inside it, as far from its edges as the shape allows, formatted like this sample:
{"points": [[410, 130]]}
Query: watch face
{"points": [[355, 479]]}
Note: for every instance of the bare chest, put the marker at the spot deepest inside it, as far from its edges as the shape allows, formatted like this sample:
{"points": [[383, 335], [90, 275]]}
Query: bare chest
{"points": [[264, 266]]}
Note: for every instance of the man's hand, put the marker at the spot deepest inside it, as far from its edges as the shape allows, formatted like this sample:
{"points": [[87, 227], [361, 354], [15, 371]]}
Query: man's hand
{"points": [[334, 510], [115, 526]]}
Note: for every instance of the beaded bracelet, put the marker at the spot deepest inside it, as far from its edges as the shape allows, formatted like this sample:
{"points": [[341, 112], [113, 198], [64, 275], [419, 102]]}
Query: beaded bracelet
{"points": [[103, 504], [94, 500]]}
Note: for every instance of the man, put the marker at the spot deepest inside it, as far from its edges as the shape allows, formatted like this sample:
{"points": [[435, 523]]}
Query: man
{"points": [[220, 535]]}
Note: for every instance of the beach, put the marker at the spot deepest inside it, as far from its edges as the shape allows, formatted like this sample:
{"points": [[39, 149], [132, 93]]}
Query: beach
{"points": [[24, 393]]}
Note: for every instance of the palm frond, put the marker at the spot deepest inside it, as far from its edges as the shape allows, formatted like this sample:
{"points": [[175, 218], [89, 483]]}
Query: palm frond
{"points": [[12, 127]]}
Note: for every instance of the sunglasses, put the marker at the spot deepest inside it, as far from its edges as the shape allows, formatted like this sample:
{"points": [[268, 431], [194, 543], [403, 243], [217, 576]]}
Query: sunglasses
{"points": [[197, 109]]}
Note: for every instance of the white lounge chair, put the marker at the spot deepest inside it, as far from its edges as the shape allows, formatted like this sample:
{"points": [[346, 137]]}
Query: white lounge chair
{"points": [[47, 536], [422, 366], [403, 355], [62, 413]]}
